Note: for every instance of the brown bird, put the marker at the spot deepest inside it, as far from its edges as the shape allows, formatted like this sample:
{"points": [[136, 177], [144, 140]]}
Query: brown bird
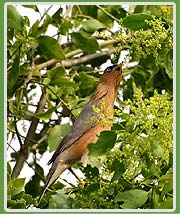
{"points": [[73, 147]]}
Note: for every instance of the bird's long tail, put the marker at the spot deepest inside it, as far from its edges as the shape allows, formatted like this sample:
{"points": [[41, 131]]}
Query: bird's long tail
{"points": [[56, 170]]}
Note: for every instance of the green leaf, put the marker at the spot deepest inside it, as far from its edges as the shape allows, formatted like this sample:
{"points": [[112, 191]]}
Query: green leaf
{"points": [[34, 7], [168, 187], [16, 186], [64, 85], [56, 135], [168, 62], [92, 187], [13, 76], [104, 18], [34, 29], [105, 143], [86, 83], [17, 204], [8, 172], [92, 25], [33, 186], [45, 24], [132, 199], [118, 168], [59, 201], [46, 115], [90, 10], [137, 21], [91, 172], [56, 18], [167, 204], [14, 19], [50, 48], [85, 42], [56, 73], [65, 26]]}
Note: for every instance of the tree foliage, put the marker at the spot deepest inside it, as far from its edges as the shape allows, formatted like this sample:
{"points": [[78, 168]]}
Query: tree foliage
{"points": [[130, 166]]}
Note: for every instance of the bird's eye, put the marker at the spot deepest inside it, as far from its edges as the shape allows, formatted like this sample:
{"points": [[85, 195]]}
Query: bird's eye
{"points": [[108, 69]]}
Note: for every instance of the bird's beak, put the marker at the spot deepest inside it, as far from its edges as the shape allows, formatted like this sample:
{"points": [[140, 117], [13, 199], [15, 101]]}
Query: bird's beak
{"points": [[119, 67]]}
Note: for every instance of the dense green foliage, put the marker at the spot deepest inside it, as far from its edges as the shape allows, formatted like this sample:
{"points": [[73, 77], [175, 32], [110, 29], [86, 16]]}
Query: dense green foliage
{"points": [[130, 166]]}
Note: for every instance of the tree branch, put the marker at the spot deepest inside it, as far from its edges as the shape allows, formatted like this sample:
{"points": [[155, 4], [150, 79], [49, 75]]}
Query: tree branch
{"points": [[69, 55], [25, 148], [86, 59]]}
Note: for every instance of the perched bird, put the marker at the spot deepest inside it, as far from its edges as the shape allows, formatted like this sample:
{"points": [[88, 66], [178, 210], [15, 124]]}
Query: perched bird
{"points": [[73, 147]]}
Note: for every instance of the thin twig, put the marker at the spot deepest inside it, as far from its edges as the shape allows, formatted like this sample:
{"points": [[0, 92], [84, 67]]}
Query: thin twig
{"points": [[107, 13]]}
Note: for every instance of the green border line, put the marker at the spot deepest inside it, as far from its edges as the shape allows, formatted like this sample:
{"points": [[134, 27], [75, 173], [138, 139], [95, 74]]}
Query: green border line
{"points": [[3, 101]]}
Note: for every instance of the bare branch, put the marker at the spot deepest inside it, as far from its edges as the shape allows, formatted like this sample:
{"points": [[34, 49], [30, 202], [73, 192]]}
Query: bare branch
{"points": [[69, 55], [86, 59], [25, 149]]}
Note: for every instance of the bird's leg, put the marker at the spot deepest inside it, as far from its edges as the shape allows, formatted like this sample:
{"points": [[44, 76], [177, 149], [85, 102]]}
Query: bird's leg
{"points": [[75, 174]]}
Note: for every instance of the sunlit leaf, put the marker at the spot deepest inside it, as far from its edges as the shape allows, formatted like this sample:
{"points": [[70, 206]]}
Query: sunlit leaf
{"points": [[132, 198], [56, 135], [16, 186], [14, 19]]}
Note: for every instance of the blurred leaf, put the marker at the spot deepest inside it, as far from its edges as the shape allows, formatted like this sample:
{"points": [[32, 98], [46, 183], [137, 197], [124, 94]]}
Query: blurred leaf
{"points": [[104, 18], [33, 186], [139, 8], [55, 73], [105, 143], [92, 25], [59, 201], [11, 125], [50, 48], [45, 24], [169, 64], [56, 135], [132, 198], [14, 19], [91, 172], [34, 29], [168, 187], [89, 10], [137, 21], [167, 204], [16, 186], [85, 42], [118, 168], [92, 187], [46, 115], [13, 76], [17, 204], [65, 26], [86, 83], [8, 172], [64, 85], [34, 7], [56, 18]]}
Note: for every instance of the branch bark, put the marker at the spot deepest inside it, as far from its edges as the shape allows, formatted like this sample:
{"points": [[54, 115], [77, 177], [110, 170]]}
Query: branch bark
{"points": [[71, 54], [25, 148]]}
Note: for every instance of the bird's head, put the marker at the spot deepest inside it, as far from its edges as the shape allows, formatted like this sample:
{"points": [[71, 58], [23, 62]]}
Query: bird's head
{"points": [[109, 82], [116, 67]]}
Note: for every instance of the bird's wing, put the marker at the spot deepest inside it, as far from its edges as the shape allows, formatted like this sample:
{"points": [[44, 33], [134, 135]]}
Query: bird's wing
{"points": [[81, 125]]}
